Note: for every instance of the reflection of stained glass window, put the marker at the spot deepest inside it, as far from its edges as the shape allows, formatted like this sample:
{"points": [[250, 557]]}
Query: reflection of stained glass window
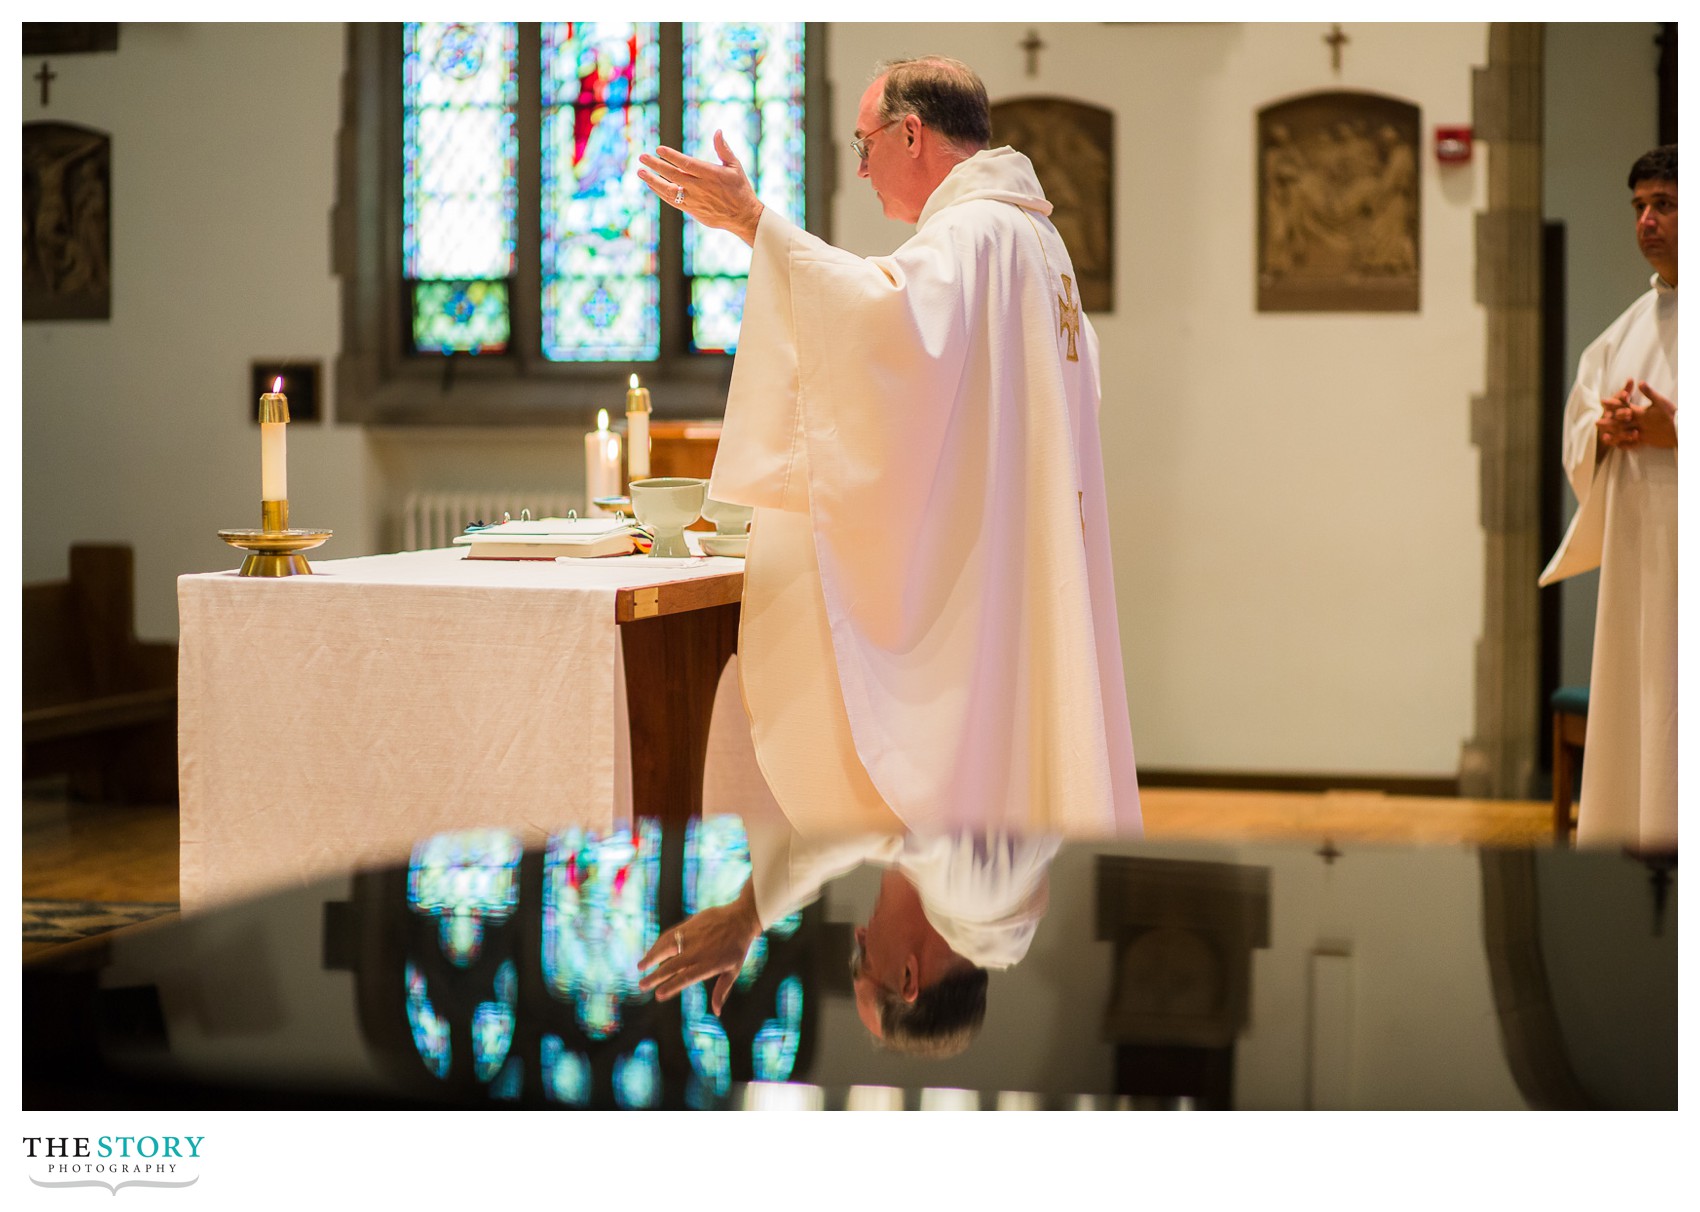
{"points": [[600, 224], [511, 1083], [459, 181], [566, 1075], [599, 917], [774, 1052], [745, 79], [637, 1078], [467, 881], [493, 1025], [717, 863], [430, 1031], [709, 1050]]}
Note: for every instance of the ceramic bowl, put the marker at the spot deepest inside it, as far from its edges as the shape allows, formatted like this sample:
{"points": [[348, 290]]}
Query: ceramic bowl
{"points": [[728, 519], [734, 545]]}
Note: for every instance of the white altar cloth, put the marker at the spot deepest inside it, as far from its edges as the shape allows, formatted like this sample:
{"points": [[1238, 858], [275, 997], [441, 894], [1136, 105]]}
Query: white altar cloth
{"points": [[328, 721]]}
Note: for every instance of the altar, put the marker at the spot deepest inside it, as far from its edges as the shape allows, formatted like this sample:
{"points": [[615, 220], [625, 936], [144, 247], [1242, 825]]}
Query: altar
{"points": [[327, 721]]}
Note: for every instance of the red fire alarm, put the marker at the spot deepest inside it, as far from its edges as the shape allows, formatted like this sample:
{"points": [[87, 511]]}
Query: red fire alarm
{"points": [[1452, 144]]}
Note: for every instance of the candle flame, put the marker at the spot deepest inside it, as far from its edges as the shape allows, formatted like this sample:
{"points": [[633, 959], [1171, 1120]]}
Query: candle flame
{"points": [[602, 419], [634, 382], [277, 385]]}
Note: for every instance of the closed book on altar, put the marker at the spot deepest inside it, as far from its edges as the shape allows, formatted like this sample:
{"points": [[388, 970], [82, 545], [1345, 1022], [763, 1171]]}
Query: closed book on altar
{"points": [[552, 538]]}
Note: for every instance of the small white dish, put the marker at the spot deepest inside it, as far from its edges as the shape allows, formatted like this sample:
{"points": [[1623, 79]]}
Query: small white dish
{"points": [[725, 545]]}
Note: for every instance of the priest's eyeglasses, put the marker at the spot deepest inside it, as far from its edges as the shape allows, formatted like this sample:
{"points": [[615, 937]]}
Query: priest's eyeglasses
{"points": [[859, 144]]}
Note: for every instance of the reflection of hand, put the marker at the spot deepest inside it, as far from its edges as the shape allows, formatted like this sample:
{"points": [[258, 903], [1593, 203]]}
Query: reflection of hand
{"points": [[710, 943], [1655, 420], [715, 195]]}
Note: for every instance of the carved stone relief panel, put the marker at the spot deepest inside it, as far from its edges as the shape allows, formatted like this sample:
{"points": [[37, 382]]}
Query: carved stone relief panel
{"points": [[67, 226], [1072, 146], [1339, 219]]}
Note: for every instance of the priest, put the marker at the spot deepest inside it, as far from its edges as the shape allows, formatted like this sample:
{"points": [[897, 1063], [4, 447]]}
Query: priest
{"points": [[929, 638], [1620, 440]]}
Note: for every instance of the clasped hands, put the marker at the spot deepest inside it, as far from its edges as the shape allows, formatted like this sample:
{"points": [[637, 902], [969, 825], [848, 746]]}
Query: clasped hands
{"points": [[715, 195], [1624, 424], [711, 943]]}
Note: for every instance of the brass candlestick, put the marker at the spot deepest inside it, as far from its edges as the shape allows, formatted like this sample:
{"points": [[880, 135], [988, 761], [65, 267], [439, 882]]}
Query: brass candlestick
{"points": [[274, 553], [274, 550]]}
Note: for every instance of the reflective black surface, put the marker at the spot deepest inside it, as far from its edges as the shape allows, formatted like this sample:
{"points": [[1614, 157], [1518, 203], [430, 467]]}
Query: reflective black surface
{"points": [[1162, 975]]}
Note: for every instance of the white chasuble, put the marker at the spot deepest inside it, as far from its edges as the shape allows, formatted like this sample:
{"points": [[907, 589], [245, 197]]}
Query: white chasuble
{"points": [[1626, 526], [929, 627]]}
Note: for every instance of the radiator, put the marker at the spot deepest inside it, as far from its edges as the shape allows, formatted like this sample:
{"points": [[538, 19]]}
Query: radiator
{"points": [[433, 519]]}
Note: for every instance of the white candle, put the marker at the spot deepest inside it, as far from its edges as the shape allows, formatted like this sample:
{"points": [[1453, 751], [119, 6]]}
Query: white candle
{"points": [[274, 468], [637, 430], [601, 465]]}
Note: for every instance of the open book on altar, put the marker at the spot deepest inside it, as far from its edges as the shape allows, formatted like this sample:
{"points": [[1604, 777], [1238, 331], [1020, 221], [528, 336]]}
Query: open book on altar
{"points": [[551, 538]]}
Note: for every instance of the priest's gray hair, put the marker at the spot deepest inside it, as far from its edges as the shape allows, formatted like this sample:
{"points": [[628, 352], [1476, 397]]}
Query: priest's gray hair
{"points": [[941, 1022], [946, 94], [1657, 165]]}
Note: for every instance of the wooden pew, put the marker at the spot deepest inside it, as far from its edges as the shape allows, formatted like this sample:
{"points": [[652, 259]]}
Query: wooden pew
{"points": [[98, 704]]}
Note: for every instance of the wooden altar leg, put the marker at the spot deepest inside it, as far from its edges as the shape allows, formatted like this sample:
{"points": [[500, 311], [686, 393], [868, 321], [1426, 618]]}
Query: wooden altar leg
{"points": [[673, 664]]}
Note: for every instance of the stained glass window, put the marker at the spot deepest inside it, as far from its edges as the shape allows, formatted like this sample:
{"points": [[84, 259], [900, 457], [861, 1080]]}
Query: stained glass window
{"points": [[744, 79], [598, 258], [465, 317], [600, 224], [460, 188]]}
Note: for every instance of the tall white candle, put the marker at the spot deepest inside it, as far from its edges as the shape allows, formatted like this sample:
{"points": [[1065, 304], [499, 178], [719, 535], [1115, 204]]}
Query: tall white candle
{"points": [[274, 467], [637, 430], [601, 465]]}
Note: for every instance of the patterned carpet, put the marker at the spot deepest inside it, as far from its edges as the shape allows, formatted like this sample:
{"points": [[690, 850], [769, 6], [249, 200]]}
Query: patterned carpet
{"points": [[47, 923]]}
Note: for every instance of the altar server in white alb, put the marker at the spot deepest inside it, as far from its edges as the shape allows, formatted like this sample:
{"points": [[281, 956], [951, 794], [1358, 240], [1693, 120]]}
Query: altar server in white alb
{"points": [[1620, 453], [929, 630]]}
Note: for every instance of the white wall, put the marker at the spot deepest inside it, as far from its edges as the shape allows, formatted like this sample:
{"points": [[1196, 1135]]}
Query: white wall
{"points": [[1293, 497], [142, 430]]}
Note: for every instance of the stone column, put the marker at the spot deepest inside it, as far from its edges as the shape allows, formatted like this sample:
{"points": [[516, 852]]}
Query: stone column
{"points": [[1499, 760]]}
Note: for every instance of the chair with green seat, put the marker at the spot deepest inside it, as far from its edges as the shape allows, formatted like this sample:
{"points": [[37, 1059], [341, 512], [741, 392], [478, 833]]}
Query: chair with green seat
{"points": [[1569, 731]]}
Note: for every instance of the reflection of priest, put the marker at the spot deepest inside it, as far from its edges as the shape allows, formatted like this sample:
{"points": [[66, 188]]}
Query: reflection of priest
{"points": [[950, 907], [929, 635]]}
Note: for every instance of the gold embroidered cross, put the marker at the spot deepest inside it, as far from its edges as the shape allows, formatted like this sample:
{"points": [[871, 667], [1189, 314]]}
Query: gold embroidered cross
{"points": [[1070, 317]]}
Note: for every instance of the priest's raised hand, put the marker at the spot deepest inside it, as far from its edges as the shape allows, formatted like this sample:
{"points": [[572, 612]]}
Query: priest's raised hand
{"points": [[715, 195]]}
